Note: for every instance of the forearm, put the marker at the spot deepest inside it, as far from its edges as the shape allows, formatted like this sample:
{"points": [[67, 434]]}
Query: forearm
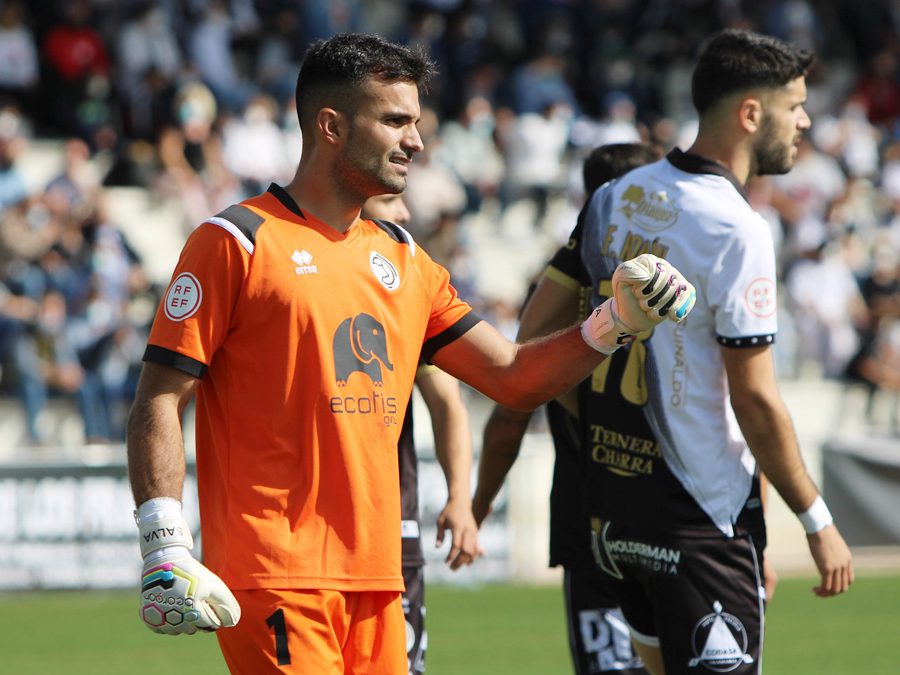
{"points": [[543, 368], [453, 448], [769, 432], [501, 443], [155, 448]]}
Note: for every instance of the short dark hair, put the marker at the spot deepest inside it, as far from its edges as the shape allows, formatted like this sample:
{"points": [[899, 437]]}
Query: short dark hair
{"points": [[613, 160], [333, 70], [737, 60]]}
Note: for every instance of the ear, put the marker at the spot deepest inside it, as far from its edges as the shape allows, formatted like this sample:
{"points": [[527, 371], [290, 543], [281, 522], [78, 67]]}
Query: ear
{"points": [[331, 126], [750, 114]]}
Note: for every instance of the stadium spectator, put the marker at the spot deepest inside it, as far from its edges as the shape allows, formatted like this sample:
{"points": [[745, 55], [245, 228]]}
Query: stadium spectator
{"points": [[19, 66], [468, 148], [534, 146], [210, 51], [149, 65], [190, 152], [253, 147], [77, 87]]}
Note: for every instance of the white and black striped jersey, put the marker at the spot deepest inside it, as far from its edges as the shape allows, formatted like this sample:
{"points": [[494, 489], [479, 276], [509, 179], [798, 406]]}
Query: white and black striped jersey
{"points": [[694, 213]]}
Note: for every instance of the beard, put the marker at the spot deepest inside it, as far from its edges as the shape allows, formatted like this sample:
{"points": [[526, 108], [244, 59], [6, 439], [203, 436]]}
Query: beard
{"points": [[770, 155], [362, 172]]}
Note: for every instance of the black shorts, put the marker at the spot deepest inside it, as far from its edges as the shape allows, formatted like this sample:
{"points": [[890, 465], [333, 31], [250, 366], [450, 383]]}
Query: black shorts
{"points": [[598, 635], [414, 610], [700, 599]]}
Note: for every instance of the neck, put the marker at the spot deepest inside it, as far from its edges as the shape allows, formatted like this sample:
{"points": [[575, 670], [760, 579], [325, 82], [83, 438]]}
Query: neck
{"points": [[733, 156], [315, 192]]}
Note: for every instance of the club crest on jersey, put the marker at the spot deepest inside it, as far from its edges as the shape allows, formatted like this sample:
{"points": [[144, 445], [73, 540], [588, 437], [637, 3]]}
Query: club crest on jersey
{"points": [[760, 297], [183, 297], [384, 271], [360, 346], [719, 642], [649, 209]]}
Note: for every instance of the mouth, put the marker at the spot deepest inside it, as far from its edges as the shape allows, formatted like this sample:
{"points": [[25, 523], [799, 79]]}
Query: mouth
{"points": [[401, 162]]}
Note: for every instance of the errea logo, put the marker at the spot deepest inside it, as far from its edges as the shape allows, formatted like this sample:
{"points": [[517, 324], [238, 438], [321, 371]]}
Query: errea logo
{"points": [[303, 260]]}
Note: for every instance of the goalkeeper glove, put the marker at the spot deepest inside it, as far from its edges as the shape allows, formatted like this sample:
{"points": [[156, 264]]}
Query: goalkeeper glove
{"points": [[178, 594], [646, 291]]}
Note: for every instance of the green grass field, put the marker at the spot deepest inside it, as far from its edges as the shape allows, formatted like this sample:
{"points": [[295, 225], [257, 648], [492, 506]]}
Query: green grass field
{"points": [[479, 631]]}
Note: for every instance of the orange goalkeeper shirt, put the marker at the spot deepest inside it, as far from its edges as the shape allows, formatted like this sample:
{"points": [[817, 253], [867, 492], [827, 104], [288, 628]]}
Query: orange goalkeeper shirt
{"points": [[306, 342]]}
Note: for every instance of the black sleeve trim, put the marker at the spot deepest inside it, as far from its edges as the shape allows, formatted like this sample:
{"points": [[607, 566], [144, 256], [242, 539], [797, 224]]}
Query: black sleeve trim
{"points": [[167, 357], [443, 339], [243, 219], [748, 341], [392, 230]]}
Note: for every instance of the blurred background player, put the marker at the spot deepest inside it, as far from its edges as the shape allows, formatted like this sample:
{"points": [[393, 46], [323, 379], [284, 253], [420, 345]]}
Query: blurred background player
{"points": [[598, 636], [453, 449]]}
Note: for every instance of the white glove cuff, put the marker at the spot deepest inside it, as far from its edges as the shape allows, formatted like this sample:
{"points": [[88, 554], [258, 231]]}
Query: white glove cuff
{"points": [[817, 517], [603, 331], [161, 525]]}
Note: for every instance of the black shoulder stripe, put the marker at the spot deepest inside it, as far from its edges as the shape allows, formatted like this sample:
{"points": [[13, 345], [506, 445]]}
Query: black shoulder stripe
{"points": [[749, 341], [243, 219], [167, 357], [431, 346], [395, 232]]}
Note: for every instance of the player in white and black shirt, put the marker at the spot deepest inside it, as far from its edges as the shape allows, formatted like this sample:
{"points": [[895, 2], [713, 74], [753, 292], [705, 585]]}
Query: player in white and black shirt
{"points": [[683, 415]]}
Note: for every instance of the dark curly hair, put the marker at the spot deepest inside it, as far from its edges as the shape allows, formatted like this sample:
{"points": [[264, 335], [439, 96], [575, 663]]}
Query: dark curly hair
{"points": [[737, 60], [334, 69]]}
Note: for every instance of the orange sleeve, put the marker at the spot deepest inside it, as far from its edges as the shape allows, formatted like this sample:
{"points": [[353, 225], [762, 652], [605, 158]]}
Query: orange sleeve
{"points": [[195, 314], [450, 315]]}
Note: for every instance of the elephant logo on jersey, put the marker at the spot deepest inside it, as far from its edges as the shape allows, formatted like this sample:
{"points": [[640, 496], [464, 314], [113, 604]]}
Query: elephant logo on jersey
{"points": [[649, 209], [720, 642], [360, 346]]}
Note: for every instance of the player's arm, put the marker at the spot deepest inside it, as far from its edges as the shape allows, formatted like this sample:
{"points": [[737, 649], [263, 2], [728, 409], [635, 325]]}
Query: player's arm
{"points": [[770, 576], [171, 577], [552, 305], [453, 447], [155, 442], [646, 291], [767, 427]]}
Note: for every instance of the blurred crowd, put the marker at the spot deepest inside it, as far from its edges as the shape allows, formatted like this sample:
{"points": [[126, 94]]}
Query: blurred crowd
{"points": [[192, 101]]}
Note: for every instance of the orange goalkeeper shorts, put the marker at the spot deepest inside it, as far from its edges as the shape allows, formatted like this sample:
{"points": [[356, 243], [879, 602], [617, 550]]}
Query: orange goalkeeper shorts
{"points": [[310, 632]]}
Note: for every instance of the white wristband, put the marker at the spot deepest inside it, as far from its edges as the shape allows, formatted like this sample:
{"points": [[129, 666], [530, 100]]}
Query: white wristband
{"points": [[817, 517], [161, 525], [602, 329]]}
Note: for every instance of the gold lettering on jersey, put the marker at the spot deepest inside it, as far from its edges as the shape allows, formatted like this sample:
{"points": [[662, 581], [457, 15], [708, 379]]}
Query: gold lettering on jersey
{"points": [[648, 209], [621, 453], [636, 244], [608, 239]]}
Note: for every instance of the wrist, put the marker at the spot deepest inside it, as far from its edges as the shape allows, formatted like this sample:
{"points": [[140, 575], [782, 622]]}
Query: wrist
{"points": [[602, 330], [155, 509], [817, 517], [161, 526]]}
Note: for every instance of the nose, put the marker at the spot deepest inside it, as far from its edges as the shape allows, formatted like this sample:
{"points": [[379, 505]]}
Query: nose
{"points": [[804, 122], [413, 140]]}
